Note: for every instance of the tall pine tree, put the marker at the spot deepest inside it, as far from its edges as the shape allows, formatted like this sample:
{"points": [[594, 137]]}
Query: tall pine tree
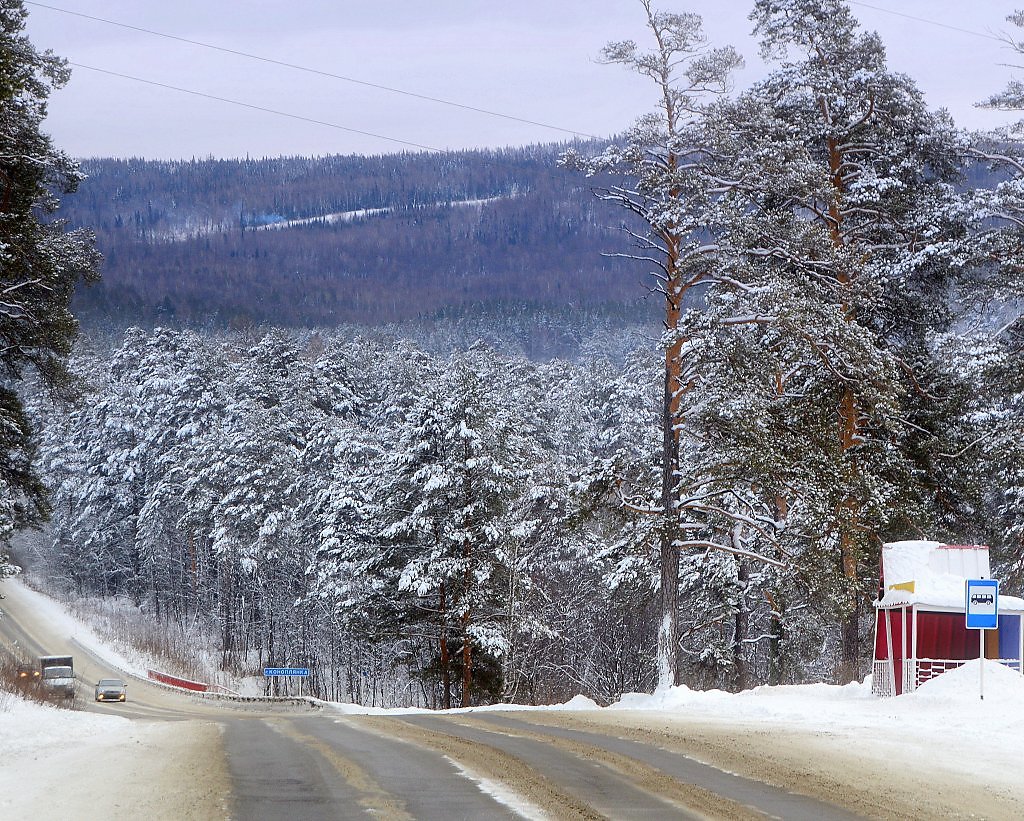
{"points": [[40, 261]]}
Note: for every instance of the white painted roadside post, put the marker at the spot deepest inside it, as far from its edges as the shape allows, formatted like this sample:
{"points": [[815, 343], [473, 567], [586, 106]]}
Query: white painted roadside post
{"points": [[982, 608]]}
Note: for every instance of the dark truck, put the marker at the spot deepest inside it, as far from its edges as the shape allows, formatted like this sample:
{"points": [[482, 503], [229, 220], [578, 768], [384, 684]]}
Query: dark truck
{"points": [[58, 675]]}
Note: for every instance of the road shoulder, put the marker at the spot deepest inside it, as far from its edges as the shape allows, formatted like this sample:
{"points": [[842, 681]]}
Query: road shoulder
{"points": [[865, 775], [161, 771]]}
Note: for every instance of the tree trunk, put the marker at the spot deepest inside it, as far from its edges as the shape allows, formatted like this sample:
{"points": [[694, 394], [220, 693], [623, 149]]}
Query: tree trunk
{"points": [[742, 631], [271, 650], [446, 673], [668, 630], [849, 664], [467, 644], [227, 613], [849, 435], [778, 637], [467, 662], [467, 589], [848, 550], [510, 677]]}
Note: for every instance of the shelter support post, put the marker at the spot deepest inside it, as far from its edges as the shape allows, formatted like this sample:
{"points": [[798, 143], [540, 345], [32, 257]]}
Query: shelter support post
{"points": [[904, 644], [892, 660], [1020, 642], [913, 648], [913, 641]]}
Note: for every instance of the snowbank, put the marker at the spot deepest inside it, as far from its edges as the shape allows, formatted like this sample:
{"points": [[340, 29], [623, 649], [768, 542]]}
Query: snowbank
{"points": [[29, 727], [959, 688], [575, 703], [69, 764], [945, 724]]}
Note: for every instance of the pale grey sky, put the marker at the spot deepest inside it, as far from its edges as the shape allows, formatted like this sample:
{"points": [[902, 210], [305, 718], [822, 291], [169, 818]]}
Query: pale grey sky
{"points": [[534, 59]]}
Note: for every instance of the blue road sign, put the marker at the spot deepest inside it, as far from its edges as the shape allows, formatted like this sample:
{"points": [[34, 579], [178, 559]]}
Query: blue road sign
{"points": [[982, 597], [286, 671]]}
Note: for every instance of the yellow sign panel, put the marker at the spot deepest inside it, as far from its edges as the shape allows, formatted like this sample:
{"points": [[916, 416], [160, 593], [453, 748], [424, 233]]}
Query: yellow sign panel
{"points": [[908, 586]]}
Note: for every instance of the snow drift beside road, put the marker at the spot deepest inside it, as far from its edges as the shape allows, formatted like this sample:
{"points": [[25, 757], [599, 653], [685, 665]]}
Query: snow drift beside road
{"points": [[69, 764], [28, 728], [944, 726]]}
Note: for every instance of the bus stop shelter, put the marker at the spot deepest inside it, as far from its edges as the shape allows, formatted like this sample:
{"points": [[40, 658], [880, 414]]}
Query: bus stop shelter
{"points": [[920, 616]]}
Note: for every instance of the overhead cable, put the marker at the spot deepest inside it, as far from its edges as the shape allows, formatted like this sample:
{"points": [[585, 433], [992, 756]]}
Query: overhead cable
{"points": [[924, 20], [257, 107], [308, 70]]}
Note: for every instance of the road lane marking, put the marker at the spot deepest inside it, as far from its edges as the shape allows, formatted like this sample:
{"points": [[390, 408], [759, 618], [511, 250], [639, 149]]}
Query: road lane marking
{"points": [[688, 797], [374, 798], [530, 786]]}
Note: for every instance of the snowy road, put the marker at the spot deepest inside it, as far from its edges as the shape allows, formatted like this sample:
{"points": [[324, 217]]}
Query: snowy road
{"points": [[178, 756]]}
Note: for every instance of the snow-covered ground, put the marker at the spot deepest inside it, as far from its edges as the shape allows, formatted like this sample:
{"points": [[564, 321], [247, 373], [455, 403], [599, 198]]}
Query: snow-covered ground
{"points": [[69, 764], [128, 660], [945, 725]]}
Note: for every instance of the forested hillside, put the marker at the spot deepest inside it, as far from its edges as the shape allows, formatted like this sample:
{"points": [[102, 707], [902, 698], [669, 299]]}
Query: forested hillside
{"points": [[318, 241]]}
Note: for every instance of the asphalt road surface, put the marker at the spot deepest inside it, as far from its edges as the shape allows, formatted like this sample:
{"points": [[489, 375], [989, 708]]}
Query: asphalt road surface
{"points": [[290, 761]]}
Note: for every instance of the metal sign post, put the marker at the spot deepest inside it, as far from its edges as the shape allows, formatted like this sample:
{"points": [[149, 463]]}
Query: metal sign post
{"points": [[982, 609]]}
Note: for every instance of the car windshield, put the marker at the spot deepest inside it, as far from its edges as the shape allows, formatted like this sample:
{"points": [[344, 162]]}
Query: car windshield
{"points": [[57, 672], [110, 682]]}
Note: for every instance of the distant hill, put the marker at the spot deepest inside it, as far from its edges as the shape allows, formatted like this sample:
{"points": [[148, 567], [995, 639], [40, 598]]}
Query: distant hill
{"points": [[346, 239]]}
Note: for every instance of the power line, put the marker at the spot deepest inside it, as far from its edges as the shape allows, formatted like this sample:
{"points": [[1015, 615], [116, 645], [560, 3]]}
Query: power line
{"points": [[309, 70], [924, 20], [368, 84], [257, 107]]}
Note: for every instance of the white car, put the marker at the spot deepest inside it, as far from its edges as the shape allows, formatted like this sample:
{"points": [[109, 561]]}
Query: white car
{"points": [[111, 689]]}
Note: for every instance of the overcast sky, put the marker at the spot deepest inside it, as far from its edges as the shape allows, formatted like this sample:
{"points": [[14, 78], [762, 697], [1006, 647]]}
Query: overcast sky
{"points": [[533, 59]]}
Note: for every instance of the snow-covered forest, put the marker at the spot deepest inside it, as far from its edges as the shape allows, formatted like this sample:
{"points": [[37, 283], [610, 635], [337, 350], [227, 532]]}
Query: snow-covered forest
{"points": [[347, 504], [355, 504], [839, 366]]}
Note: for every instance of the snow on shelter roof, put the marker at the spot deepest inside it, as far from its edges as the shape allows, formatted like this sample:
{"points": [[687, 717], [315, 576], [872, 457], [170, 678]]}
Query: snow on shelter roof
{"points": [[933, 574]]}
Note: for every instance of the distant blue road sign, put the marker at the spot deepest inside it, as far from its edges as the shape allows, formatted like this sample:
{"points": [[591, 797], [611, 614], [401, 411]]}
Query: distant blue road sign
{"points": [[286, 671], [982, 597]]}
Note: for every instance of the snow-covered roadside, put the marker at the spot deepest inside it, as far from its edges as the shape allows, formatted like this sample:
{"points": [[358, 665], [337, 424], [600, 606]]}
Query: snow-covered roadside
{"points": [[72, 764], [54, 613], [65, 764], [28, 729], [944, 727], [68, 764]]}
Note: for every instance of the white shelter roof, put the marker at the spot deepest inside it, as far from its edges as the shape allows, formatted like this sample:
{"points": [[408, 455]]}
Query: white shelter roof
{"points": [[933, 574]]}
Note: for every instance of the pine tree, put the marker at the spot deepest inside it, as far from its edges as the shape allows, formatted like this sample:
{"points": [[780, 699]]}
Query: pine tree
{"points": [[994, 360], [848, 236], [40, 262], [459, 476], [667, 185]]}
